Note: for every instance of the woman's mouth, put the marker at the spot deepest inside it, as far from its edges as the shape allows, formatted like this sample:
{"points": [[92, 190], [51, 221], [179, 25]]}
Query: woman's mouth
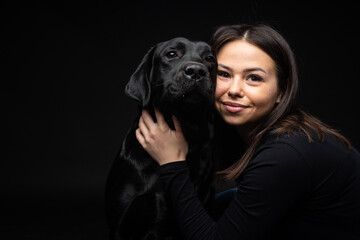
{"points": [[233, 107]]}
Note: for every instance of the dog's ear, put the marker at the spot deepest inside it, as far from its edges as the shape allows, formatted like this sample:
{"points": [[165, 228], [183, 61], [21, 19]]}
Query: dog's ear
{"points": [[139, 85]]}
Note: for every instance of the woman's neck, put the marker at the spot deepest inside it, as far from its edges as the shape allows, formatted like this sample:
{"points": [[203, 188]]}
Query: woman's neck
{"points": [[245, 130], [244, 133]]}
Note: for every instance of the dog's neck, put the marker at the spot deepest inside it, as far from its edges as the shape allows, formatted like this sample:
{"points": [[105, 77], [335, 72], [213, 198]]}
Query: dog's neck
{"points": [[195, 125]]}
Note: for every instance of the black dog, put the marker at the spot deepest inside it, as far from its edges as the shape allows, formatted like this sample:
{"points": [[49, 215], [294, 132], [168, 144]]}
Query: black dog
{"points": [[177, 77]]}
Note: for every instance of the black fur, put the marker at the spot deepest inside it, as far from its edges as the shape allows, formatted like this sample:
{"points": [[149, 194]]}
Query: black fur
{"points": [[177, 77]]}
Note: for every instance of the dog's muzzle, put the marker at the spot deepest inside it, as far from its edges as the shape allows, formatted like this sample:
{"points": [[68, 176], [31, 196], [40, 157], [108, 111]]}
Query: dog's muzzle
{"points": [[195, 72]]}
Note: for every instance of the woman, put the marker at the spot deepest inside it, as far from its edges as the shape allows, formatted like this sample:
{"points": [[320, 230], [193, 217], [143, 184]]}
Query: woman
{"points": [[296, 177]]}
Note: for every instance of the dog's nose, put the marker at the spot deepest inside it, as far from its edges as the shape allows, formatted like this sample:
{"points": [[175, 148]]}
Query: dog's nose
{"points": [[195, 71]]}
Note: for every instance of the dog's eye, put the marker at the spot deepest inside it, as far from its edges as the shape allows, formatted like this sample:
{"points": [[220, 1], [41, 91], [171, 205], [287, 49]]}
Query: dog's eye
{"points": [[210, 59], [171, 54]]}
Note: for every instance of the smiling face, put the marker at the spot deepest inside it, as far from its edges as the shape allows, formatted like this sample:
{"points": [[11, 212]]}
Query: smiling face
{"points": [[246, 86]]}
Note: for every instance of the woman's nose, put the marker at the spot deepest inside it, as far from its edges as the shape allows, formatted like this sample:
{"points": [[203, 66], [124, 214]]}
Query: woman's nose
{"points": [[235, 89]]}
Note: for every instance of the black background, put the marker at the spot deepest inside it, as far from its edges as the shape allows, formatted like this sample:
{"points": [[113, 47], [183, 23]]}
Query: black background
{"points": [[63, 75]]}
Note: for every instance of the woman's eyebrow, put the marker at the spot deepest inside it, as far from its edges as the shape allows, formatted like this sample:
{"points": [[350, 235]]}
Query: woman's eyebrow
{"points": [[245, 71], [226, 67], [255, 69]]}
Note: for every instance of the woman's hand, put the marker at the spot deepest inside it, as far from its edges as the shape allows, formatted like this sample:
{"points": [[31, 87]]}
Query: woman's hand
{"points": [[162, 143]]}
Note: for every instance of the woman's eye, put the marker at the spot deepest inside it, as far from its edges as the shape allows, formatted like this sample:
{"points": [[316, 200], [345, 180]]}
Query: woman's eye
{"points": [[223, 74], [253, 78], [171, 54]]}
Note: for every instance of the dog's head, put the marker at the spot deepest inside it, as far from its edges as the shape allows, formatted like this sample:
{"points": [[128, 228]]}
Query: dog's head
{"points": [[176, 73]]}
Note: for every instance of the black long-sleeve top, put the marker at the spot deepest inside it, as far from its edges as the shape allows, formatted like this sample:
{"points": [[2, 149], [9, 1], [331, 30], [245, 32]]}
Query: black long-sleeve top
{"points": [[291, 189]]}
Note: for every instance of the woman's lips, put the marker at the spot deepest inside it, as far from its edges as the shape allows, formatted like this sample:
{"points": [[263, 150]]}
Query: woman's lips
{"points": [[233, 107]]}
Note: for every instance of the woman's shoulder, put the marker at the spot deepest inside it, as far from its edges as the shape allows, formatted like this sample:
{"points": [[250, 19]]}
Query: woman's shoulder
{"points": [[281, 145], [293, 139], [277, 155], [302, 139], [308, 146]]}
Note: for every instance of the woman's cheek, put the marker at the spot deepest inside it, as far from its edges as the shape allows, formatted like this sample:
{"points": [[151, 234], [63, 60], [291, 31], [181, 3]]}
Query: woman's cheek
{"points": [[220, 89]]}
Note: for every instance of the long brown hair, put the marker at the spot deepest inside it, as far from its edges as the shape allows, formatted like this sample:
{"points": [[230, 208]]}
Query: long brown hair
{"points": [[286, 117]]}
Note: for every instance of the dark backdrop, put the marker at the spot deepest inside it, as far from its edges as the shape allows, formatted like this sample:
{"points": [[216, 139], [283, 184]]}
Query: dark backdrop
{"points": [[64, 71]]}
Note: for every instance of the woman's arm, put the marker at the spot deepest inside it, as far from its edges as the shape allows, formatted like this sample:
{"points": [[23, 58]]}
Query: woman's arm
{"points": [[267, 192], [193, 220], [268, 188]]}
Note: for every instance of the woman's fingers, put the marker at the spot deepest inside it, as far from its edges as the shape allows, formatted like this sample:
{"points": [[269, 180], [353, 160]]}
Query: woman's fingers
{"points": [[177, 124], [146, 118], [148, 128], [143, 127], [140, 137], [163, 144], [146, 122], [161, 121], [159, 117]]}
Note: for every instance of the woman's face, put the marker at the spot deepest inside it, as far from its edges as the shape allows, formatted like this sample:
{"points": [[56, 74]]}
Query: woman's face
{"points": [[246, 87]]}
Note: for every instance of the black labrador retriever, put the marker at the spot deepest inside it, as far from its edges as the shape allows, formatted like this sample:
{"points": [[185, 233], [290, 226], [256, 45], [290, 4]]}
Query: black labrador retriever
{"points": [[177, 77]]}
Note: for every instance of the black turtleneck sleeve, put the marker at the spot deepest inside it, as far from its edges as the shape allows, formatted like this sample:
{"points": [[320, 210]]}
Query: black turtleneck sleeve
{"points": [[291, 189]]}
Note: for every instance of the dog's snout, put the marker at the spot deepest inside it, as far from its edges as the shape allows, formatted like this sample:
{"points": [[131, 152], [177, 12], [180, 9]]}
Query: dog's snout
{"points": [[195, 71]]}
